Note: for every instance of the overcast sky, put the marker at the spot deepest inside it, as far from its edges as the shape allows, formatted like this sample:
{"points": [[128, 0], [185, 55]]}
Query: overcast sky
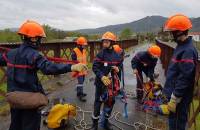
{"points": [[79, 14]]}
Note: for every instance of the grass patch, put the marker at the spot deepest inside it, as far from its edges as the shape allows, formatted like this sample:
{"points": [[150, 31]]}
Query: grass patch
{"points": [[5, 110], [3, 87], [197, 45], [195, 103]]}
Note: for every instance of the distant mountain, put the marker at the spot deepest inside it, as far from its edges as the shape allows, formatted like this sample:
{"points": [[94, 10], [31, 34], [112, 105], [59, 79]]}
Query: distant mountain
{"points": [[147, 24]]}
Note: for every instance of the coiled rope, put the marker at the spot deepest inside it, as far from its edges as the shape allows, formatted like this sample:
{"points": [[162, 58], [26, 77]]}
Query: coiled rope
{"points": [[84, 125]]}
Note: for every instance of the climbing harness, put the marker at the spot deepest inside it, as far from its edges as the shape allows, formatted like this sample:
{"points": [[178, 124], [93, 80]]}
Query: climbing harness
{"points": [[113, 89], [117, 91]]}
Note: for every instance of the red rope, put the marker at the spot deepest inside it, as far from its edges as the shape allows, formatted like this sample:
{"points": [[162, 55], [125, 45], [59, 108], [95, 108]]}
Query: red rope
{"points": [[54, 59], [62, 60], [109, 62], [4, 48]]}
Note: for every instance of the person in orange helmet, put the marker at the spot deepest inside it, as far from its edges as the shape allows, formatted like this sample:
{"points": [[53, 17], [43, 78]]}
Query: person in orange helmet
{"points": [[180, 77], [121, 53], [145, 61], [23, 64], [79, 54], [106, 66]]}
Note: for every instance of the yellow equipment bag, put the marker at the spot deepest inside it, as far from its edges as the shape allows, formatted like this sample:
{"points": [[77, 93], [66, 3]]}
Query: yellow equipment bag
{"points": [[58, 113]]}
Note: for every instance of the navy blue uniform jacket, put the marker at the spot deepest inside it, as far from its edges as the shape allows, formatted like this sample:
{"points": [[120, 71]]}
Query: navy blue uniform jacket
{"points": [[26, 79], [181, 71]]}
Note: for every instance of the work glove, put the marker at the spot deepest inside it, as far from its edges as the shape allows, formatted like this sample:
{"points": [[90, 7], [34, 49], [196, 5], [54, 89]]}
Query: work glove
{"points": [[115, 68], [79, 67], [164, 109], [106, 81], [173, 103]]}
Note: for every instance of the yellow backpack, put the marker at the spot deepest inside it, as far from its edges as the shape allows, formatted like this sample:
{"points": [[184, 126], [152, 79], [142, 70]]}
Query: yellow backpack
{"points": [[58, 113]]}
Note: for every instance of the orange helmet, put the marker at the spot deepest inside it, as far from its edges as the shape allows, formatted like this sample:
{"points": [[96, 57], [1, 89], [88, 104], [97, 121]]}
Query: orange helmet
{"points": [[117, 48], [154, 50], [31, 29], [109, 36], [81, 41], [178, 22]]}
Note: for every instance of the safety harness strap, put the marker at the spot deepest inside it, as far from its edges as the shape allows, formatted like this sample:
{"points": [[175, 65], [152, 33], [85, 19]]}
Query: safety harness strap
{"points": [[113, 90], [109, 62]]}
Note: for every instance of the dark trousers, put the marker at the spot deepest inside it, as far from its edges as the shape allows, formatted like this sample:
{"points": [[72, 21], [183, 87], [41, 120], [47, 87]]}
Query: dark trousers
{"points": [[81, 80], [139, 78], [107, 108], [25, 119], [178, 120], [139, 90]]}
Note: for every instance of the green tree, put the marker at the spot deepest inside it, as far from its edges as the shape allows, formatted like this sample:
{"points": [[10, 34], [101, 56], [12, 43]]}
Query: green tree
{"points": [[74, 34], [53, 34], [150, 37], [94, 37], [126, 34], [7, 35]]}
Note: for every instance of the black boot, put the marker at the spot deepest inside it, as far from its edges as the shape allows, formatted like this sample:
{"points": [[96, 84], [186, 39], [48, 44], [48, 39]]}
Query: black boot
{"points": [[84, 94], [81, 98], [139, 101], [107, 125], [95, 124], [80, 93]]}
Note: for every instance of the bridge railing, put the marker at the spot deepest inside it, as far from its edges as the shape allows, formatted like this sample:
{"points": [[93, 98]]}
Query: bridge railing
{"points": [[167, 51], [63, 50]]}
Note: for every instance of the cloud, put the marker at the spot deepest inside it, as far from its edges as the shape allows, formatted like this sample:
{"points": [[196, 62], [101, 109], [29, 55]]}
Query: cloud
{"points": [[77, 14]]}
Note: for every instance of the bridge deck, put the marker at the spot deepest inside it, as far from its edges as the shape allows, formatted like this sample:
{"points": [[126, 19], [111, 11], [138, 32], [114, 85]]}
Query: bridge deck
{"points": [[137, 119], [134, 113]]}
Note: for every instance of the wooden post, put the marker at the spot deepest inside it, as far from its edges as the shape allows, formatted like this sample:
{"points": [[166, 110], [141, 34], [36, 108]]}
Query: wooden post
{"points": [[92, 49]]}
